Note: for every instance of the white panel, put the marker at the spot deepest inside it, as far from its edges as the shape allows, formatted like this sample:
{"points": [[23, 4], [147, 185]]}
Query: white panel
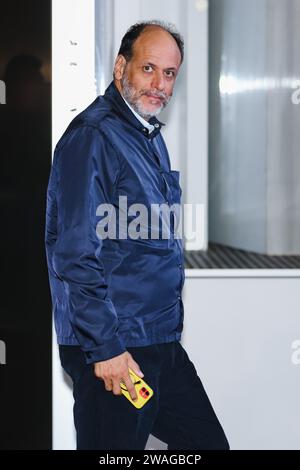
{"points": [[63, 431], [73, 88], [243, 336], [104, 43], [196, 183], [73, 61]]}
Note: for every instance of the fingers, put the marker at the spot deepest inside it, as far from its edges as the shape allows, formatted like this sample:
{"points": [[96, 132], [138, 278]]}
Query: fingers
{"points": [[130, 387], [135, 367], [105, 378], [127, 384], [116, 389], [112, 384], [108, 385], [116, 370]]}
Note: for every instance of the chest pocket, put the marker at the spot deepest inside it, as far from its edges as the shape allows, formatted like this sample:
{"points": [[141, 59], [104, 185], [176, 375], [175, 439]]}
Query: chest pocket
{"points": [[173, 188]]}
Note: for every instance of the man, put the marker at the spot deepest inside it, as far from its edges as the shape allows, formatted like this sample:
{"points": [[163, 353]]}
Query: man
{"points": [[117, 300]]}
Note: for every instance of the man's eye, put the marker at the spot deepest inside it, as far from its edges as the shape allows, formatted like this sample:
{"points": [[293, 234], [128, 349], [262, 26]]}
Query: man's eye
{"points": [[170, 73], [147, 68]]}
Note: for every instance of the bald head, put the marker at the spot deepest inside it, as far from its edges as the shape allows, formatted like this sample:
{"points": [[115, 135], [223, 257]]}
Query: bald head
{"points": [[155, 43], [134, 32]]}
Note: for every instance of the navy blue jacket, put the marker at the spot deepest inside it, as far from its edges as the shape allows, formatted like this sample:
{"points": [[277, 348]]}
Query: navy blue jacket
{"points": [[113, 293]]}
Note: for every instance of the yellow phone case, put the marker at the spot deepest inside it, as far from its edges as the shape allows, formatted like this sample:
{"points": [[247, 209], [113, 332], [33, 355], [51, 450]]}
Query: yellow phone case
{"points": [[143, 391]]}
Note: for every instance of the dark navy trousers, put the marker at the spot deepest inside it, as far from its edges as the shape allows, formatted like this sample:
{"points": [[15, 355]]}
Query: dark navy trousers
{"points": [[179, 413]]}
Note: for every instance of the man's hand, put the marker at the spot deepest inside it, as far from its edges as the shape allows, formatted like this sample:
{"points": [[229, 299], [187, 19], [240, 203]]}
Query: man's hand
{"points": [[115, 370]]}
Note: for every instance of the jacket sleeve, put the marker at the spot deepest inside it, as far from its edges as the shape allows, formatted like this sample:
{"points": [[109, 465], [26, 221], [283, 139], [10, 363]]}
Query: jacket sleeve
{"points": [[87, 170]]}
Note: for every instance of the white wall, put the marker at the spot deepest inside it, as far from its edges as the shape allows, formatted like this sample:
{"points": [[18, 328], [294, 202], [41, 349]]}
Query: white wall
{"points": [[243, 335], [73, 88], [73, 61]]}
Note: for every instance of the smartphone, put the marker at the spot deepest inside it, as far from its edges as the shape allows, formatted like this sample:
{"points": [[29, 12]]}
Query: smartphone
{"points": [[143, 391]]}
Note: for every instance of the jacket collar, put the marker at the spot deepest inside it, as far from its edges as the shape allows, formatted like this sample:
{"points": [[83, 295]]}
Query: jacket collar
{"points": [[113, 95]]}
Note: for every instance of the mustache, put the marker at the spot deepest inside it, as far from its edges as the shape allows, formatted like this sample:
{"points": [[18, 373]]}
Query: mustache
{"points": [[157, 94]]}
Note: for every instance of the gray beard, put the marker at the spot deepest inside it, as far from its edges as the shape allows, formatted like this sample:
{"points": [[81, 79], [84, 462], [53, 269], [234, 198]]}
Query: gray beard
{"points": [[129, 94]]}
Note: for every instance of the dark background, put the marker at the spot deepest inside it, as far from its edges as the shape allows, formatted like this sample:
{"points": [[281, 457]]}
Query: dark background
{"points": [[25, 160]]}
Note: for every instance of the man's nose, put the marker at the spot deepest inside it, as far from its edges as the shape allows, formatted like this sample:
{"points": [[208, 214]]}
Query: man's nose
{"points": [[158, 81]]}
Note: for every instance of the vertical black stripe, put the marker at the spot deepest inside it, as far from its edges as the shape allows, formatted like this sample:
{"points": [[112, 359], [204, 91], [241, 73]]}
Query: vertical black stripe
{"points": [[25, 159]]}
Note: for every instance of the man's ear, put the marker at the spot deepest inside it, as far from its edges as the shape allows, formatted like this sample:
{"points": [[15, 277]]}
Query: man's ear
{"points": [[119, 67]]}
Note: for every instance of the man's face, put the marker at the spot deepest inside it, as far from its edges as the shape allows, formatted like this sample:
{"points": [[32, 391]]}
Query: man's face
{"points": [[147, 80]]}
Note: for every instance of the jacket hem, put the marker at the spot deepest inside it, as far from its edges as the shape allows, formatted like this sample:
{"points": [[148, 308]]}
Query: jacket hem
{"points": [[72, 341]]}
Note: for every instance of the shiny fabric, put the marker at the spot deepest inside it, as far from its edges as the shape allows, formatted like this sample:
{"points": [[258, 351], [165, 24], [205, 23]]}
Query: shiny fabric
{"points": [[109, 294]]}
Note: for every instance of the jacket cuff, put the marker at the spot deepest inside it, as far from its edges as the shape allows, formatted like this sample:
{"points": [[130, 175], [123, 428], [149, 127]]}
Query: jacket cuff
{"points": [[112, 348]]}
